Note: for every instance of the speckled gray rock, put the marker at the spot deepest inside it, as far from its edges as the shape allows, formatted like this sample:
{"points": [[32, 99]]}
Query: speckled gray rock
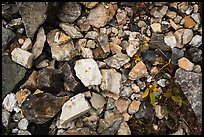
{"points": [[6, 118], [7, 36], [117, 60], [191, 85], [69, 12], [33, 15], [12, 74], [176, 54]]}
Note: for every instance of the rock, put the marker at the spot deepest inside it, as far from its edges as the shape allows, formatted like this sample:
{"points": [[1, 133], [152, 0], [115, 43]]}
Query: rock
{"points": [[196, 41], [170, 40], [50, 80], [171, 14], [117, 60], [158, 41], [6, 118], [39, 43], [71, 30], [103, 42], [197, 69], [70, 83], [91, 44], [124, 129], [183, 6], [40, 108], [138, 71], [184, 63], [27, 45], [61, 52], [22, 57], [97, 101], [176, 55], [91, 35], [83, 24], [194, 54], [75, 107], [162, 82], [127, 91], [33, 15], [111, 81], [191, 85], [102, 14], [188, 22], [126, 117], [9, 102], [196, 17], [115, 48], [14, 23], [23, 132], [159, 12], [7, 36], [120, 16], [179, 34], [156, 27], [12, 74], [174, 25], [31, 83], [23, 124], [158, 112], [91, 121], [22, 95], [69, 12], [15, 130], [61, 38], [133, 47], [122, 104], [79, 131], [135, 88], [141, 24], [187, 35], [89, 5], [88, 72], [87, 53], [134, 107], [9, 10]]}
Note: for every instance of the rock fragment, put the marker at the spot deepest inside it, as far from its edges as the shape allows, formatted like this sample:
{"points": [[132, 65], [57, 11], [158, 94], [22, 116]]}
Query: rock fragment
{"points": [[170, 40], [124, 129], [138, 71], [23, 124], [184, 63], [97, 101], [10, 102], [7, 36], [134, 107]]}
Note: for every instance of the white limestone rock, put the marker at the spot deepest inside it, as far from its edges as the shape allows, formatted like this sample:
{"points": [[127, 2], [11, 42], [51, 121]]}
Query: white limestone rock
{"points": [[10, 102], [88, 72], [22, 57], [23, 124], [170, 40]]}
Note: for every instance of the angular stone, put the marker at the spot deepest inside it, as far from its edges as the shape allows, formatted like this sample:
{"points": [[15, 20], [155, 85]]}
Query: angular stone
{"points": [[196, 17], [22, 95], [134, 107], [50, 79], [22, 57], [127, 91], [89, 5], [91, 44], [69, 12], [6, 118], [91, 35], [115, 48], [191, 85], [75, 107], [170, 40], [9, 102], [23, 132], [188, 22], [27, 45], [100, 16], [178, 34], [12, 74], [87, 53], [124, 129], [132, 48], [196, 41], [122, 104], [184, 63], [88, 72], [111, 81], [138, 71], [159, 112], [9, 10], [70, 83], [7, 36], [71, 30], [159, 12], [187, 35], [158, 41], [33, 15], [156, 27], [97, 101], [61, 38], [117, 60], [171, 14], [39, 43], [40, 108], [83, 24], [31, 83], [23, 124], [103, 42], [61, 52]]}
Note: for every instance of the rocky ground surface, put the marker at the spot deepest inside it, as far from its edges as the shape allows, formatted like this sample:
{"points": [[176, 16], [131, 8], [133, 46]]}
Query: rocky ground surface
{"points": [[113, 68]]}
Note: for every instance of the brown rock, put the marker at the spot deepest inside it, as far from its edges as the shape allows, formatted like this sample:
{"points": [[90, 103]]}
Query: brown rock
{"points": [[184, 63], [122, 104], [138, 71], [134, 107], [21, 95], [188, 22], [31, 83]]}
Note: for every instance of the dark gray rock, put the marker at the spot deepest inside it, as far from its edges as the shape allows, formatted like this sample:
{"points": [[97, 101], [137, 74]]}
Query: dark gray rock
{"points": [[194, 54], [50, 80], [70, 83], [33, 15], [40, 108], [176, 55], [149, 56], [12, 74], [157, 40], [70, 12], [9, 10], [7, 36], [191, 85]]}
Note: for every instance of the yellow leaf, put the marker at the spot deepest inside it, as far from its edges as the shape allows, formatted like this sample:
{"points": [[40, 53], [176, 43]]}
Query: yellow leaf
{"points": [[152, 98], [145, 93], [146, 44]]}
